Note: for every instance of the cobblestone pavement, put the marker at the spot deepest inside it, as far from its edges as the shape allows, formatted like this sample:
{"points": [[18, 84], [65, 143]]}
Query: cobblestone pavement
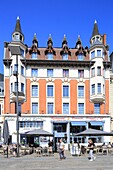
{"points": [[32, 162]]}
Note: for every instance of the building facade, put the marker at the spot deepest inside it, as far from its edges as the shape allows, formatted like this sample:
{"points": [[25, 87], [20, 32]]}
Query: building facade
{"points": [[62, 90]]}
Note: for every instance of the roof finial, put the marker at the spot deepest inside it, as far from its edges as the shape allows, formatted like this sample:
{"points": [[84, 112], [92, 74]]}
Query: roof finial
{"points": [[18, 18], [95, 21]]}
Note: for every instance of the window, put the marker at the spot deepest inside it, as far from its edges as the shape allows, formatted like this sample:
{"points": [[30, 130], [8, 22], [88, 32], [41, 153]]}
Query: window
{"points": [[65, 56], [34, 90], [49, 72], [99, 88], [99, 71], [65, 108], [50, 108], [98, 53], [16, 67], [80, 108], [80, 73], [65, 91], [80, 91], [50, 56], [22, 70], [22, 87], [93, 72], [34, 124], [50, 91], [34, 108], [65, 72], [34, 56], [34, 72], [96, 108], [93, 89], [80, 57], [11, 87], [15, 86], [92, 54]]}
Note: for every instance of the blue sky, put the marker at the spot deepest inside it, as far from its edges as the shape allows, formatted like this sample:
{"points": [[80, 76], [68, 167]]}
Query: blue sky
{"points": [[56, 17]]}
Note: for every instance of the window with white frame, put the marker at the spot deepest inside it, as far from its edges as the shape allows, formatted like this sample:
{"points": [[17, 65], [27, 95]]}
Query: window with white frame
{"points": [[93, 72], [34, 72], [80, 91], [97, 108], [98, 87], [92, 54], [34, 90], [65, 56], [35, 108], [93, 89], [49, 72], [50, 56], [80, 73], [34, 55], [22, 70], [80, 57], [99, 53], [22, 87], [31, 124], [65, 108], [49, 90], [65, 72], [98, 71], [50, 108], [80, 108], [65, 91]]}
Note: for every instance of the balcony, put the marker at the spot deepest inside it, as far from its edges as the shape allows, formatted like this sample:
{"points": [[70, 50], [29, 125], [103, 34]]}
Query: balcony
{"points": [[97, 97], [13, 97]]}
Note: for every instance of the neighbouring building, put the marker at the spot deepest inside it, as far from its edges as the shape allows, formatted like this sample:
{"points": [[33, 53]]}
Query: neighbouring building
{"points": [[60, 89]]}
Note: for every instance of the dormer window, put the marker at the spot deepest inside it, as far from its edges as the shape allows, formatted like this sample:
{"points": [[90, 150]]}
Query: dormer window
{"points": [[34, 56], [50, 56], [65, 56], [80, 57]]}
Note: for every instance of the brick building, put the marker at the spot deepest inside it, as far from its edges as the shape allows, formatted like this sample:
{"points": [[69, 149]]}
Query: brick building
{"points": [[62, 90]]}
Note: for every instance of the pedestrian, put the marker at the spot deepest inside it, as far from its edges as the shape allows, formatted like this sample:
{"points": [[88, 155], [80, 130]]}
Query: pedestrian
{"points": [[61, 149], [91, 148]]}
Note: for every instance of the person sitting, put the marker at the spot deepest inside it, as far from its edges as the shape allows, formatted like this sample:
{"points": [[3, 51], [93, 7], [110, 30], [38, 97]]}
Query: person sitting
{"points": [[14, 149]]}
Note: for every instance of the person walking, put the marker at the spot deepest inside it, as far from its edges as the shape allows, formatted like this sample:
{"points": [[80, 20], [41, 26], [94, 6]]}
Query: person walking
{"points": [[61, 149], [91, 147]]}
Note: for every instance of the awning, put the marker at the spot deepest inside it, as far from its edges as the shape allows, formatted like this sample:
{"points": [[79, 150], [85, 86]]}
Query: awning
{"points": [[97, 123], [78, 123]]}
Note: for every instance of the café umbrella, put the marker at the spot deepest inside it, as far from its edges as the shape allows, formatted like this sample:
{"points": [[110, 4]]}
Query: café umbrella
{"points": [[6, 134]]}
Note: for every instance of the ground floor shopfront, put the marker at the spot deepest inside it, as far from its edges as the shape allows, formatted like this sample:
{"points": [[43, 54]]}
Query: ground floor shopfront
{"points": [[65, 127]]}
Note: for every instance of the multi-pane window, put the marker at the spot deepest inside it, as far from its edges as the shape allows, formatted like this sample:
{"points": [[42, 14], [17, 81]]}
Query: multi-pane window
{"points": [[80, 57], [34, 72], [99, 88], [34, 55], [98, 71], [22, 70], [65, 91], [80, 73], [50, 108], [80, 91], [49, 72], [65, 108], [65, 56], [22, 87], [34, 108], [93, 89], [50, 91], [98, 53], [50, 56], [30, 124], [96, 108], [92, 54], [65, 72], [34, 90], [93, 72], [80, 108]]}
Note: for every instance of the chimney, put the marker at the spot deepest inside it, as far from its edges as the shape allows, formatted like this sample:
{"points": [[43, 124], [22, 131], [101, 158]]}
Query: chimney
{"points": [[104, 39]]}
